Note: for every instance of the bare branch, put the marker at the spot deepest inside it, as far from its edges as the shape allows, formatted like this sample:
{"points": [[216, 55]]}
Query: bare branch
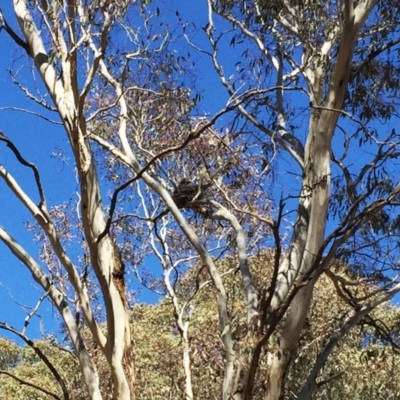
{"points": [[63, 308], [30, 96], [350, 322], [43, 218], [36, 114], [27, 383], [248, 115], [247, 279], [97, 52], [13, 35], [40, 354], [33, 312], [23, 161]]}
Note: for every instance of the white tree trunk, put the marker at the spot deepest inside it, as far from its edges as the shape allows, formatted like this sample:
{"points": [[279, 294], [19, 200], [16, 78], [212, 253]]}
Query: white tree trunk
{"points": [[104, 258], [309, 231]]}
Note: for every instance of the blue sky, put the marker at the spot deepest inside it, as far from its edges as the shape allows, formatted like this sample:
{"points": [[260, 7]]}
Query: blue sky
{"points": [[37, 140]]}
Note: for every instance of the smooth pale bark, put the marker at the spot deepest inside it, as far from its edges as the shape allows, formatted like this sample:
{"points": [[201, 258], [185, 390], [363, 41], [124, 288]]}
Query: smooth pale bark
{"points": [[42, 217], [104, 258], [88, 371], [128, 158], [309, 231]]}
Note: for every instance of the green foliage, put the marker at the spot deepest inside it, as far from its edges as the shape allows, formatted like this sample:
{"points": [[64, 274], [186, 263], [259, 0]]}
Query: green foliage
{"points": [[364, 363], [9, 354], [358, 366], [140, 91], [26, 365]]}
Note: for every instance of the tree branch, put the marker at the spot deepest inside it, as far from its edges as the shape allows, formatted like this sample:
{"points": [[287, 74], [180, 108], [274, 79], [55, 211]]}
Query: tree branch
{"points": [[23, 161], [351, 321], [63, 308], [40, 354], [13, 35], [247, 279], [44, 220], [357, 69], [23, 382]]}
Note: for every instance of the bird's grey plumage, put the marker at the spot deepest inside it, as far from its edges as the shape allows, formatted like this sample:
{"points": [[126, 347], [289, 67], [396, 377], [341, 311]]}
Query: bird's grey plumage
{"points": [[185, 193]]}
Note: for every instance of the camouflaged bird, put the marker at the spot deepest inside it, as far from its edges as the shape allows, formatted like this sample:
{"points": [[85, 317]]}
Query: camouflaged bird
{"points": [[186, 194]]}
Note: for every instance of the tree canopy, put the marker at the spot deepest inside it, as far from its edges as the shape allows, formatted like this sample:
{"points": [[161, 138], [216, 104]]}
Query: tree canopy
{"points": [[235, 161]]}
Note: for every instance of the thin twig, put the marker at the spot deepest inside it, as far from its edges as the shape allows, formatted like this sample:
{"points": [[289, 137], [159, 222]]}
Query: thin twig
{"points": [[23, 161]]}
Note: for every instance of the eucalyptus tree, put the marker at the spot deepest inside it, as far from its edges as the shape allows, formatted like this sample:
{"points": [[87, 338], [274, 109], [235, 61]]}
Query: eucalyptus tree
{"points": [[341, 60], [305, 87]]}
